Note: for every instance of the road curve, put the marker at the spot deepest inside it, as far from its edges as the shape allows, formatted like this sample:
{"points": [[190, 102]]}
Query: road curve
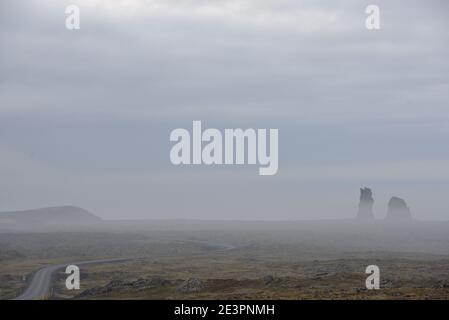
{"points": [[39, 287]]}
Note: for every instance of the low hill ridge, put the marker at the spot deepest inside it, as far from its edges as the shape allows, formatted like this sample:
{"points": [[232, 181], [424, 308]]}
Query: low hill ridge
{"points": [[50, 216]]}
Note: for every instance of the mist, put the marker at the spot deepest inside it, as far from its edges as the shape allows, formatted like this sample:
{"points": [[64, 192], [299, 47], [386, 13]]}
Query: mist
{"points": [[85, 115]]}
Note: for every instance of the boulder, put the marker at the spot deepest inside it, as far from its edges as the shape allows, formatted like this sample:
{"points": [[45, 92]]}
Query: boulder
{"points": [[191, 285]]}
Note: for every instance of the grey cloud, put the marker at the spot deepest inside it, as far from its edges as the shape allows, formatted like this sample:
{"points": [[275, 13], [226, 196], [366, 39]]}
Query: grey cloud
{"points": [[105, 97]]}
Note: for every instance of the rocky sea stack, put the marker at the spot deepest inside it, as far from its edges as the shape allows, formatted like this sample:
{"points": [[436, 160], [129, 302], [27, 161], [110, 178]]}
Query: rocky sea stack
{"points": [[366, 204], [398, 210]]}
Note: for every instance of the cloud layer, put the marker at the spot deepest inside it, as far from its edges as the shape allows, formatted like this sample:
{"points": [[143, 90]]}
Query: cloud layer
{"points": [[86, 114]]}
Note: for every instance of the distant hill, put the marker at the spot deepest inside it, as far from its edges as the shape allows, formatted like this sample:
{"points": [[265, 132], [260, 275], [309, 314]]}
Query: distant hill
{"points": [[45, 217]]}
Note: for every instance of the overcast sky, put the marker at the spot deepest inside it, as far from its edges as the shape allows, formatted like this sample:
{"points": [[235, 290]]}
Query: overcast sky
{"points": [[85, 115]]}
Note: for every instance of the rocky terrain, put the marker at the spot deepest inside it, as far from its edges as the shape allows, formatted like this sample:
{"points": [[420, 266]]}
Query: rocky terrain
{"points": [[232, 276], [235, 259]]}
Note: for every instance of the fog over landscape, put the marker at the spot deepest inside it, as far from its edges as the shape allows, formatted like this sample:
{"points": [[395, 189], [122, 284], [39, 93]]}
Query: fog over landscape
{"points": [[103, 132], [85, 116]]}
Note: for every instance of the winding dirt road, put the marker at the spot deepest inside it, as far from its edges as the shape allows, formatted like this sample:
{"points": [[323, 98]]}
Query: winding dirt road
{"points": [[39, 287]]}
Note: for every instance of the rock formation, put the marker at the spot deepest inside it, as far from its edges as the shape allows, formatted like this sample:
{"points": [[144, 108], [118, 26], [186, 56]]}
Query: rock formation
{"points": [[398, 209], [366, 204], [191, 285], [120, 285]]}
